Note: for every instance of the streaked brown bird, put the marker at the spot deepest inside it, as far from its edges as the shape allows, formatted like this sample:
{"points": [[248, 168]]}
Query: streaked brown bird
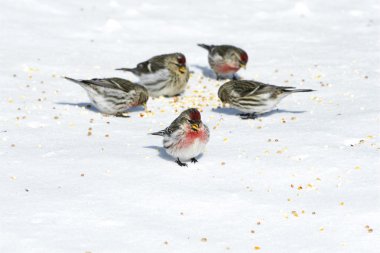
{"points": [[162, 75], [254, 98], [186, 137], [225, 59], [113, 96]]}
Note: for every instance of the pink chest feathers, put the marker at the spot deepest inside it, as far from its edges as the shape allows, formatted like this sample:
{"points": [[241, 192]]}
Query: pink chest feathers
{"points": [[226, 69], [192, 136]]}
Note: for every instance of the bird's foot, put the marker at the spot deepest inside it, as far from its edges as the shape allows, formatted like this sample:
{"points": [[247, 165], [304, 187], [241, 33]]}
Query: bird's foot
{"points": [[234, 77], [121, 115], [193, 160], [248, 116], [180, 163]]}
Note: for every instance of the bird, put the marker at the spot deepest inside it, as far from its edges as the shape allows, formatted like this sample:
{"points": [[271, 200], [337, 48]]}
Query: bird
{"points": [[225, 59], [113, 96], [163, 75], [186, 137], [254, 98]]}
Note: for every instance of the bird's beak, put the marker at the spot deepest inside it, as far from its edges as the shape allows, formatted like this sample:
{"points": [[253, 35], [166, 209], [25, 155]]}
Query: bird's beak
{"points": [[182, 69], [242, 65], [195, 127]]}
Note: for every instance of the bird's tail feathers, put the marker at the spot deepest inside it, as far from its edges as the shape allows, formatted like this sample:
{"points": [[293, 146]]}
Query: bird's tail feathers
{"points": [[299, 90], [73, 80], [207, 47], [159, 133], [133, 70]]}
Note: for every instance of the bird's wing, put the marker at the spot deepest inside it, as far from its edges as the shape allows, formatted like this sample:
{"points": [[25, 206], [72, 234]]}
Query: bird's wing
{"points": [[152, 65], [220, 50], [265, 91], [247, 88], [111, 83]]}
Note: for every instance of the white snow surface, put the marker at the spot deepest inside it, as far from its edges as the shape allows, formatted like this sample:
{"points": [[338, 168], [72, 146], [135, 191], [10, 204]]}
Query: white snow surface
{"points": [[304, 178]]}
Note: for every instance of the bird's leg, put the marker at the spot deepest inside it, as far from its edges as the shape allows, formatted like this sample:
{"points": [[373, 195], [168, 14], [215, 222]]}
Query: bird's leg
{"points": [[234, 77], [248, 115], [218, 77], [121, 115], [180, 163], [193, 160]]}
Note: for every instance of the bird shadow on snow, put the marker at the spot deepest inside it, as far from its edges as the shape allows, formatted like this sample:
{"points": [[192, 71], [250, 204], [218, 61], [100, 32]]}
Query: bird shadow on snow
{"points": [[232, 111], [161, 152], [207, 72], [87, 106], [90, 107]]}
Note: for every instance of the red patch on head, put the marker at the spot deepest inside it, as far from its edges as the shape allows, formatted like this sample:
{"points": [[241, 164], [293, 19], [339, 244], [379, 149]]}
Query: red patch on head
{"points": [[181, 60], [195, 115], [244, 57]]}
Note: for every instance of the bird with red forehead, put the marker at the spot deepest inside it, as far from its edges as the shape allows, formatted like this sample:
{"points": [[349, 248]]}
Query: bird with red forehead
{"points": [[162, 75], [186, 137], [225, 60]]}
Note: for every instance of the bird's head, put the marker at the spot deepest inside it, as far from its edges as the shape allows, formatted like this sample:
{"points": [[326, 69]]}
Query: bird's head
{"points": [[238, 57], [144, 96], [178, 63], [224, 91], [192, 119], [243, 59]]}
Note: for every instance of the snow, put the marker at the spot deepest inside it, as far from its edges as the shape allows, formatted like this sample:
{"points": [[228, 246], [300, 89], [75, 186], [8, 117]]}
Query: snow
{"points": [[304, 178]]}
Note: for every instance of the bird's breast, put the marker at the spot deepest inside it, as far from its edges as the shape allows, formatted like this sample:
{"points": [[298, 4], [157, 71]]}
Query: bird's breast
{"points": [[226, 69], [192, 136]]}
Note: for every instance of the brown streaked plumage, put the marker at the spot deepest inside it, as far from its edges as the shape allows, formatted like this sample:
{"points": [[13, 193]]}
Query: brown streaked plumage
{"points": [[113, 95], [252, 97], [162, 75]]}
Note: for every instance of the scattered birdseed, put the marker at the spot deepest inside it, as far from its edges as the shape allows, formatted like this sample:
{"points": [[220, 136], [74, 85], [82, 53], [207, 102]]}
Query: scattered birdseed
{"points": [[204, 239], [256, 248]]}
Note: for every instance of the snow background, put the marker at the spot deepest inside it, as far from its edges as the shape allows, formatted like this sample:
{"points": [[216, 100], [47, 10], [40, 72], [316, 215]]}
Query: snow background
{"points": [[304, 178]]}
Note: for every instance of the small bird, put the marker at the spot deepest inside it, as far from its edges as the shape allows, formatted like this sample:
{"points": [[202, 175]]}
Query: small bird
{"points": [[225, 59], [162, 75], [254, 98], [113, 96], [186, 137]]}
